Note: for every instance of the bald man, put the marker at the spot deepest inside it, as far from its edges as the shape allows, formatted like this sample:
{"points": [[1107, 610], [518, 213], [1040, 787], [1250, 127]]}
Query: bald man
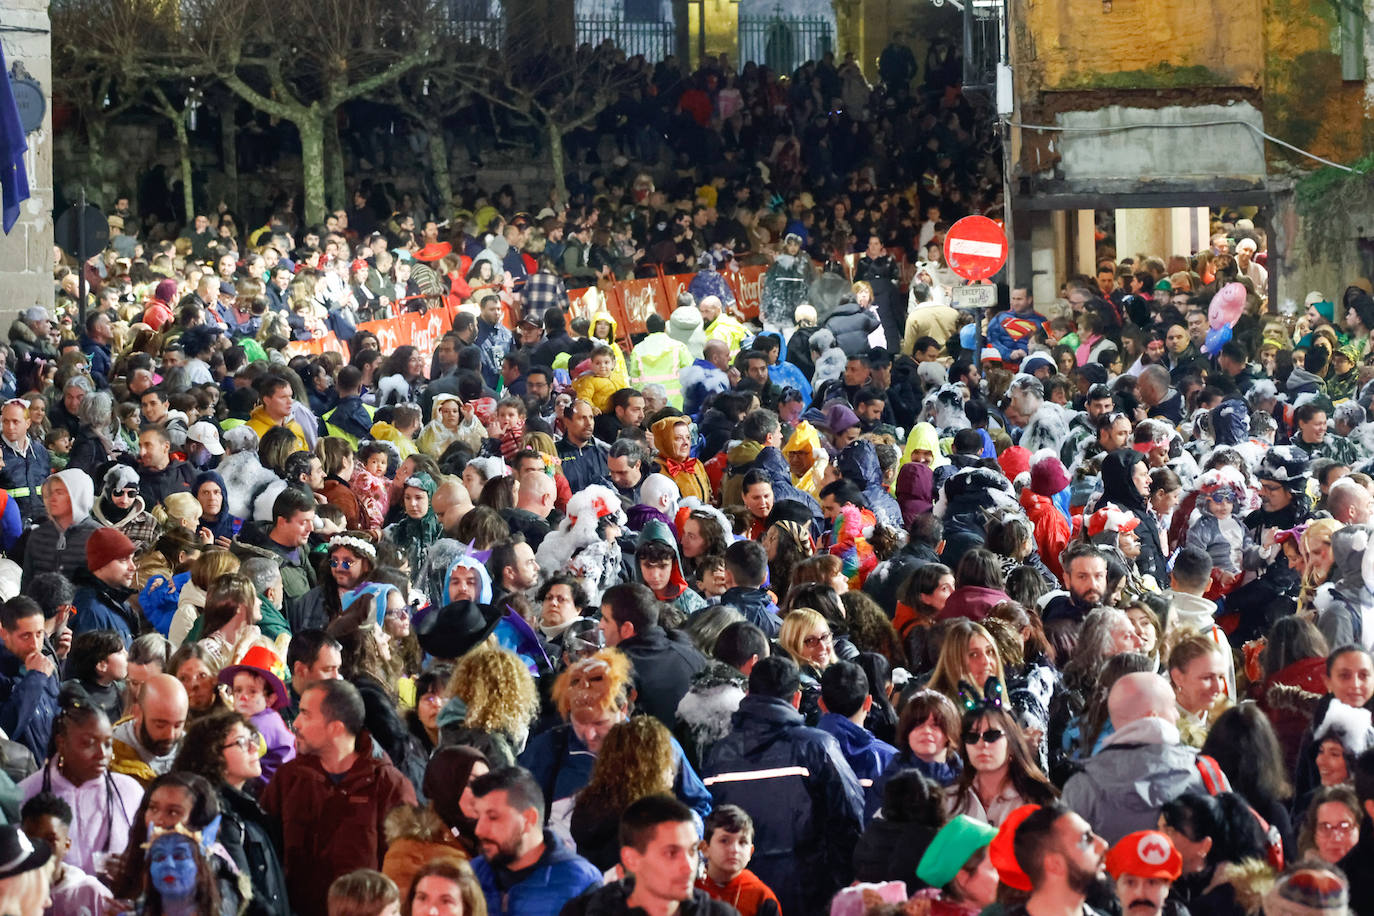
{"points": [[451, 502], [1350, 503], [1141, 764], [533, 507], [146, 742]]}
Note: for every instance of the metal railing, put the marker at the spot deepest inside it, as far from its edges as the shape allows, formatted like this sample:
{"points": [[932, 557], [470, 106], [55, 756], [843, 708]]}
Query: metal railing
{"points": [[480, 21], [652, 38], [782, 42]]}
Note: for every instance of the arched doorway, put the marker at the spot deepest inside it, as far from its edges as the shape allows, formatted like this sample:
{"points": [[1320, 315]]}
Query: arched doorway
{"points": [[783, 38]]}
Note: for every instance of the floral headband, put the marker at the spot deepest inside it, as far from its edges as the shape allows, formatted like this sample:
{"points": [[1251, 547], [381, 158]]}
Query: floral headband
{"points": [[357, 545]]}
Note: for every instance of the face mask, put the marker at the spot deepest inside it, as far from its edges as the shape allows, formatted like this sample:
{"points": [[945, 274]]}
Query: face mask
{"points": [[172, 866]]}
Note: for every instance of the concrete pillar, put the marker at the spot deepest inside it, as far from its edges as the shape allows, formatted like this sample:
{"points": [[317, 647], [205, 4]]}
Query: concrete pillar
{"points": [[1142, 233], [26, 253], [1046, 229], [1085, 251]]}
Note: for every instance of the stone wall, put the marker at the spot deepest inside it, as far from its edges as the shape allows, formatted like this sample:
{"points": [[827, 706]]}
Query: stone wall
{"points": [[26, 253]]}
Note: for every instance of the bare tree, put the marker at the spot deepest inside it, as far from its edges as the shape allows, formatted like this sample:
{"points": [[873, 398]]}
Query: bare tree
{"points": [[112, 56], [301, 60], [559, 88]]}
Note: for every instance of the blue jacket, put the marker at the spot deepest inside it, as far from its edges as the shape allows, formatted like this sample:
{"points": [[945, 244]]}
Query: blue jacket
{"points": [[867, 756], [495, 342], [1000, 337], [28, 703], [102, 607], [806, 802], [23, 477], [558, 876], [564, 779], [786, 375], [756, 607], [351, 416]]}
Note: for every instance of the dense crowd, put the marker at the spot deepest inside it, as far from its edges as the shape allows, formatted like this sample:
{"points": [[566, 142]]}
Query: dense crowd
{"points": [[829, 610]]}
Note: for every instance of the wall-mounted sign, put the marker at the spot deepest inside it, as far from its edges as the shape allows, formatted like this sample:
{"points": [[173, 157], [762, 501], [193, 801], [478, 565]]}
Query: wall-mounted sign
{"points": [[28, 97]]}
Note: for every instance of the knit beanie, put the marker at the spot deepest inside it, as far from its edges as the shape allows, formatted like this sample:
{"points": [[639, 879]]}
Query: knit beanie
{"points": [[105, 546], [1307, 892], [1048, 476], [951, 849]]}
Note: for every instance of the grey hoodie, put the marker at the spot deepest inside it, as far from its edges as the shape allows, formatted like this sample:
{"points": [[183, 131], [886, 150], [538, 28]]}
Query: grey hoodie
{"points": [[1123, 786], [51, 549]]}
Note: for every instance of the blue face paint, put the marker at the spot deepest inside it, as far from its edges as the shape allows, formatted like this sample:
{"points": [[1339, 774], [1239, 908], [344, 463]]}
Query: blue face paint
{"points": [[172, 865]]}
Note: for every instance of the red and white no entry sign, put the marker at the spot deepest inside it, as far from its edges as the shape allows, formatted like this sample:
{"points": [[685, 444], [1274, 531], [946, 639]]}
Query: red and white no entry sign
{"points": [[975, 248]]}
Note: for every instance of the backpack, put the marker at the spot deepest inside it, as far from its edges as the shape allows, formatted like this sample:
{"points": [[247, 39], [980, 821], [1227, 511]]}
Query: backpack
{"points": [[1216, 782]]}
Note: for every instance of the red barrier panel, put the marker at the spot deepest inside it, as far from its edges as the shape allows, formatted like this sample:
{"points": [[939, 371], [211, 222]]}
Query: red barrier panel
{"points": [[421, 331], [747, 283]]}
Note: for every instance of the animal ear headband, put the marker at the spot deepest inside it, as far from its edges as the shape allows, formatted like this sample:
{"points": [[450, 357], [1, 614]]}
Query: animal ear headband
{"points": [[991, 697], [203, 838]]}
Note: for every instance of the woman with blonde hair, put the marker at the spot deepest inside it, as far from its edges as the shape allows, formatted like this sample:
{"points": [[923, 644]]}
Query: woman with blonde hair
{"points": [[806, 636], [968, 653], [501, 700], [636, 759], [1312, 558], [212, 563], [1197, 671]]}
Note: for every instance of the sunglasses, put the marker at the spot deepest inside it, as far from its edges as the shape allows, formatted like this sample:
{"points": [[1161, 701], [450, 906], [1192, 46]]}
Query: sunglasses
{"points": [[130, 492], [991, 736], [336, 563]]}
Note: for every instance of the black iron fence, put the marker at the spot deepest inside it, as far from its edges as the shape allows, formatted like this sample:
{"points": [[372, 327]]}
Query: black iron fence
{"points": [[477, 21], [652, 38], [783, 42]]}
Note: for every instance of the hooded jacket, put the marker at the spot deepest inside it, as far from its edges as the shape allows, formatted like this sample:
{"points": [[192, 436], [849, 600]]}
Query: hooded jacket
{"points": [[1123, 786], [52, 550], [915, 490], [685, 599], [137, 522], [1120, 489], [690, 475], [859, 463], [1049, 527], [806, 801]]}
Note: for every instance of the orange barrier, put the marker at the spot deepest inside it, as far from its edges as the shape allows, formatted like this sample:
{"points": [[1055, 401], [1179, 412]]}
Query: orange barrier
{"points": [[630, 303], [419, 330]]}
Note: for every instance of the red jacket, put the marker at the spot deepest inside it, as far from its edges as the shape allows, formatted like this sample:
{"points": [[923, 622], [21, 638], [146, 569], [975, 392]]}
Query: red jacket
{"points": [[971, 601], [329, 829], [746, 893], [1051, 529], [1290, 724]]}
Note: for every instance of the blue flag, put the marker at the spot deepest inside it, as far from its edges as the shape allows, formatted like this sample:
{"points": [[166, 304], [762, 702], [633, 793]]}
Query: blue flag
{"points": [[14, 180]]}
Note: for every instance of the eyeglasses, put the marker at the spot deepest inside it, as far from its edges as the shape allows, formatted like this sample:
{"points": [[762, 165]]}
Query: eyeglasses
{"points": [[336, 563], [1344, 827], [991, 736], [824, 639], [248, 744], [402, 614]]}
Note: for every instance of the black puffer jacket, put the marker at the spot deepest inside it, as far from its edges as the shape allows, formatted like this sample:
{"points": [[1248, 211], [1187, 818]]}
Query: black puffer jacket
{"points": [[806, 802], [851, 326]]}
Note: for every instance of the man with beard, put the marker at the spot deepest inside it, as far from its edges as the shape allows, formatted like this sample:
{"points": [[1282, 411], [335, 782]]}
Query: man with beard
{"points": [[513, 569], [524, 868], [330, 801], [1144, 866], [146, 743], [1063, 860], [1085, 575]]}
